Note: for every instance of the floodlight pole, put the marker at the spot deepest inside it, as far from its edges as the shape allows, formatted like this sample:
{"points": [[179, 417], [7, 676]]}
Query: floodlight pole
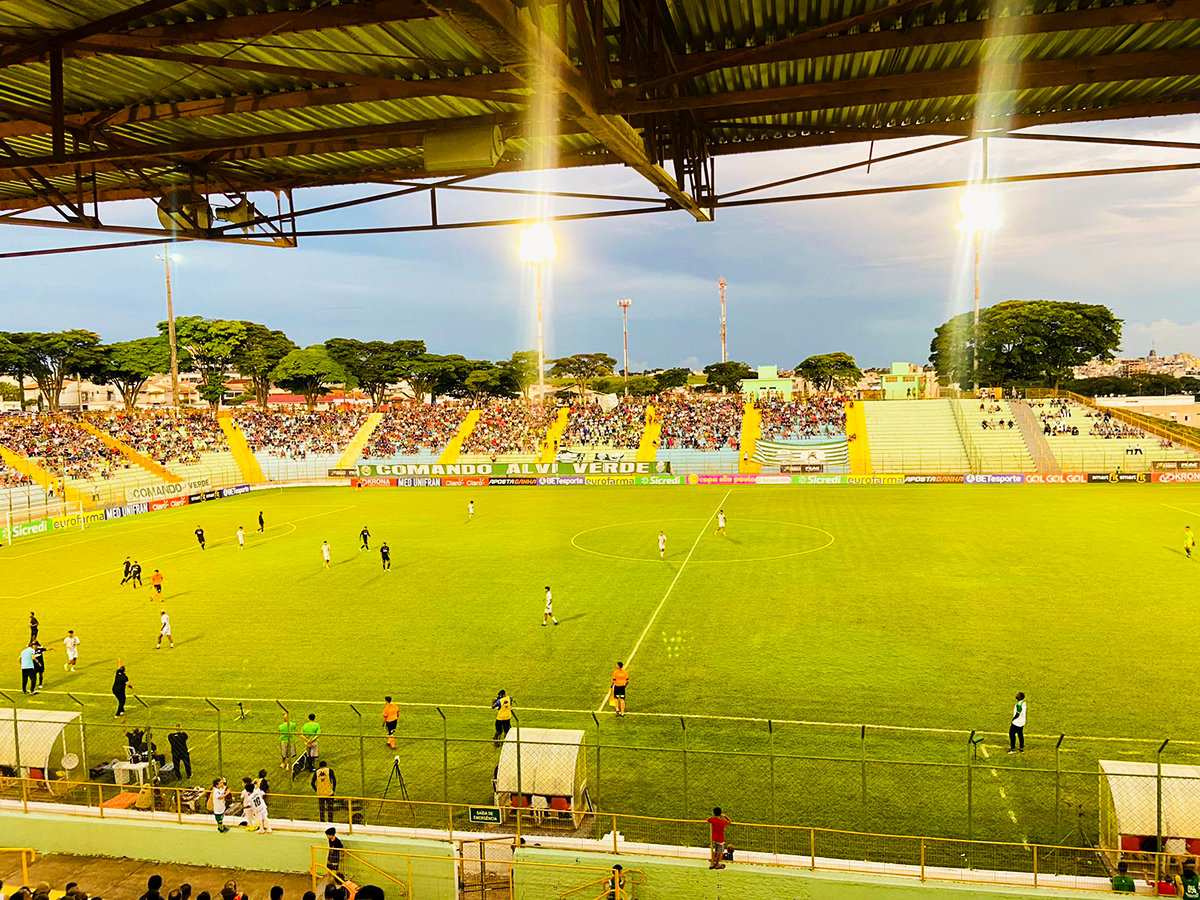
{"points": [[537, 280], [724, 355], [624, 304], [166, 258], [975, 238]]}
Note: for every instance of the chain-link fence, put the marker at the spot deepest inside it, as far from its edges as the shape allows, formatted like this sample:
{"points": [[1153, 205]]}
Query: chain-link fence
{"points": [[944, 784]]}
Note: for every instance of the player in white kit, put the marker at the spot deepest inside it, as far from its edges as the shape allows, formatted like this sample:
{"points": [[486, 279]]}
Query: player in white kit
{"points": [[548, 615], [241, 538], [325, 552], [165, 631], [721, 521], [72, 644], [662, 546], [470, 510]]}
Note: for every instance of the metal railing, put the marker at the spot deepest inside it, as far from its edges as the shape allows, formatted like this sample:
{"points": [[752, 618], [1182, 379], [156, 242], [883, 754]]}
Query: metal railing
{"points": [[1119, 414], [26, 855], [926, 858]]}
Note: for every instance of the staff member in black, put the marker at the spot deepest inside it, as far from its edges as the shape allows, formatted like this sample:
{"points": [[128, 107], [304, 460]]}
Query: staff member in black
{"points": [[120, 683], [386, 554], [39, 664], [33, 627], [261, 525], [200, 537], [181, 756]]}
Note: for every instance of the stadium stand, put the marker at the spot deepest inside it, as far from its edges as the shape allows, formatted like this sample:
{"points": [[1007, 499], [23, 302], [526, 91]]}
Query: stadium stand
{"points": [[1091, 440], [508, 429], [619, 427], [796, 420], [191, 444], [915, 436], [414, 429], [994, 437], [292, 446], [695, 423]]}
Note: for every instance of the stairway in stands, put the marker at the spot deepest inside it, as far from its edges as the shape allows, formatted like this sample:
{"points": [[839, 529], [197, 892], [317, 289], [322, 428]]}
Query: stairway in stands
{"points": [[915, 436]]}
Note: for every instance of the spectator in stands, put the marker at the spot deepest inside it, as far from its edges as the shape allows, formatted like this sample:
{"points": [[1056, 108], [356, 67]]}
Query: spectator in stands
{"points": [[701, 424], [277, 893], [1121, 882], [153, 888], [231, 892], [408, 428], [1188, 882], [333, 862]]}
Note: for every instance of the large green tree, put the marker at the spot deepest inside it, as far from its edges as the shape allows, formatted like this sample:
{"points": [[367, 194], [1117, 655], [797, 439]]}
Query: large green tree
{"points": [[490, 380], [261, 350], [12, 362], [728, 375], [375, 365], [828, 371], [582, 368], [1024, 342], [50, 357], [212, 345], [128, 365], [522, 366], [310, 373], [672, 378]]}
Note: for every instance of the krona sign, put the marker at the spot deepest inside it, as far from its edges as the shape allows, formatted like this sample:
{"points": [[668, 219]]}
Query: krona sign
{"points": [[404, 470]]}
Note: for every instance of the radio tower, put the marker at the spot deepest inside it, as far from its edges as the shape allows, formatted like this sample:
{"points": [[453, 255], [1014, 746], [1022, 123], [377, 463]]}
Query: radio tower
{"points": [[724, 355]]}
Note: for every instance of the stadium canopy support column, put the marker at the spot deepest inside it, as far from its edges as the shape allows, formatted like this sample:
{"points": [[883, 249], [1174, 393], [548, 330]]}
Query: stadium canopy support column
{"points": [[520, 793], [287, 713], [1057, 796], [446, 767], [863, 756], [82, 726], [596, 719], [152, 768], [220, 748], [970, 749], [1158, 812], [362, 754], [774, 820]]}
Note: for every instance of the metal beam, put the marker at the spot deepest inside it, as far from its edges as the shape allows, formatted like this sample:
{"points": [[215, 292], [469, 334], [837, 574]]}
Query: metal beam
{"points": [[16, 55], [508, 35]]}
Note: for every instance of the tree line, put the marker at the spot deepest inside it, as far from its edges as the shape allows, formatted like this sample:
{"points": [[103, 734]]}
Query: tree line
{"points": [[213, 348]]}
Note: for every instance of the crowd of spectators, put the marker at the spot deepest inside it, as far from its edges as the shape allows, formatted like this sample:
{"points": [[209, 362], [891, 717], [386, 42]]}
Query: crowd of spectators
{"points": [[411, 427], [12, 478], [167, 439], [510, 426], [338, 888], [700, 423], [59, 445], [789, 420], [295, 435], [1056, 419], [621, 426]]}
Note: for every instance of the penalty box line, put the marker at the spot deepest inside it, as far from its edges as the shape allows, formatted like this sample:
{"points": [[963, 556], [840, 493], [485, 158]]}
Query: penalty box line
{"points": [[674, 581]]}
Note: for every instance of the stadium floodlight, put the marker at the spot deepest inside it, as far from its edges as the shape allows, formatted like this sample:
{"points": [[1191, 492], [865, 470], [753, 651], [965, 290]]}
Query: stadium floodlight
{"points": [[166, 257], [538, 247], [980, 211]]}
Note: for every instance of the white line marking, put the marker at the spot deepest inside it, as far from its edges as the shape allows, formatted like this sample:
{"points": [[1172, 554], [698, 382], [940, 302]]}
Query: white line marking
{"points": [[1012, 815], [1003, 795], [674, 581], [1180, 508]]}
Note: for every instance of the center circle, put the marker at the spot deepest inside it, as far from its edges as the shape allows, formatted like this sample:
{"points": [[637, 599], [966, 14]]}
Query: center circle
{"points": [[622, 540]]}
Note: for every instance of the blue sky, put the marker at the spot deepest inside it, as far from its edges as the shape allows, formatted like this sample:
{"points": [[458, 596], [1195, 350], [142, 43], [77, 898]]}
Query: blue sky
{"points": [[873, 276]]}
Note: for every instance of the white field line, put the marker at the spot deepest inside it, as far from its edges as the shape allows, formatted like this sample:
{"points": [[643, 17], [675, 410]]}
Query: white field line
{"points": [[674, 581]]}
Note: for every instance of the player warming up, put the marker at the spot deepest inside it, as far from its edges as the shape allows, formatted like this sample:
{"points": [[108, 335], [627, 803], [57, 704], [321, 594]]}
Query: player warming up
{"points": [[620, 681], [1189, 541], [200, 537], [470, 510], [164, 631], [721, 522], [71, 643], [662, 546], [385, 553], [241, 536], [261, 524], [548, 615], [325, 552], [365, 537], [156, 580]]}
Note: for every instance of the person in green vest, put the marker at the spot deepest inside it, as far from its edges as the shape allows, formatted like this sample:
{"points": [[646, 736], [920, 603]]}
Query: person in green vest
{"points": [[309, 732], [1189, 882], [287, 741], [1122, 883]]}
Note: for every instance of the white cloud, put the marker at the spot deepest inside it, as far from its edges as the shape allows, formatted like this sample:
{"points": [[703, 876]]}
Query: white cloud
{"points": [[1166, 336]]}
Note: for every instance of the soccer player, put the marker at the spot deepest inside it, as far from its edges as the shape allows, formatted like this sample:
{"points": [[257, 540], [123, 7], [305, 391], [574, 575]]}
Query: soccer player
{"points": [[391, 715], [470, 510], [128, 567], [261, 525], [721, 522], [503, 707], [165, 631], [385, 554], [135, 574], [72, 644], [1017, 729], [156, 581], [241, 536], [219, 795], [33, 627], [662, 546], [548, 615], [1189, 540], [325, 552], [620, 680], [365, 537], [200, 537]]}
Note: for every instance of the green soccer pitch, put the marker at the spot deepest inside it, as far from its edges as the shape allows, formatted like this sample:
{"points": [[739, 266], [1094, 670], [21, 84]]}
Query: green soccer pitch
{"points": [[918, 607]]}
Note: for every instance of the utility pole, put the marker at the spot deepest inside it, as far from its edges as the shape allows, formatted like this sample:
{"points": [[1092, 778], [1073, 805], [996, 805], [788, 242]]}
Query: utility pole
{"points": [[166, 258], [724, 355], [624, 304]]}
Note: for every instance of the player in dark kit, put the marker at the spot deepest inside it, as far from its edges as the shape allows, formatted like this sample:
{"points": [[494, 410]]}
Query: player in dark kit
{"points": [[128, 569], [200, 537], [386, 554], [135, 574], [261, 525], [365, 537]]}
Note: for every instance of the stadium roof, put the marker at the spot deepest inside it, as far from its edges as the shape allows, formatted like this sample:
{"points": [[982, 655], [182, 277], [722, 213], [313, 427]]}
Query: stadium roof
{"points": [[112, 99]]}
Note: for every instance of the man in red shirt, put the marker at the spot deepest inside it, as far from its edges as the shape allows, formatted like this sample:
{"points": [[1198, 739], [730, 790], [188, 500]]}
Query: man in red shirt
{"points": [[717, 823]]}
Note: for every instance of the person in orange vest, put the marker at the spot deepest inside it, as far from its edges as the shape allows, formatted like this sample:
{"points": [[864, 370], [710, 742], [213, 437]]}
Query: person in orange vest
{"points": [[391, 715], [620, 680], [156, 580]]}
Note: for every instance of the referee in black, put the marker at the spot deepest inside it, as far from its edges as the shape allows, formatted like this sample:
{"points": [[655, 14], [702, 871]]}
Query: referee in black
{"points": [[385, 554]]}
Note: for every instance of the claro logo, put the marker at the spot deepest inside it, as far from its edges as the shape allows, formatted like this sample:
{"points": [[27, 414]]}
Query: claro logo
{"points": [[1057, 478]]}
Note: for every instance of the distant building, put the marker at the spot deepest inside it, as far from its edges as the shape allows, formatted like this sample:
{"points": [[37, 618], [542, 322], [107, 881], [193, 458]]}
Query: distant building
{"points": [[768, 384], [1178, 365], [908, 381]]}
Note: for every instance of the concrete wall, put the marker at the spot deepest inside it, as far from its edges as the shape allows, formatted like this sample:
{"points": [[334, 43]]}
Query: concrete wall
{"points": [[202, 845], [691, 879]]}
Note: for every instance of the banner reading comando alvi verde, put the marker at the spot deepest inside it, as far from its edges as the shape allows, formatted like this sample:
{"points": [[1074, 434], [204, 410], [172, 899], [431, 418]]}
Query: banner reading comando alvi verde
{"points": [[393, 470]]}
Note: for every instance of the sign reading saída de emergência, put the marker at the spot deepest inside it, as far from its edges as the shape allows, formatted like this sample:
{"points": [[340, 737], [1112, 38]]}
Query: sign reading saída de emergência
{"points": [[403, 470]]}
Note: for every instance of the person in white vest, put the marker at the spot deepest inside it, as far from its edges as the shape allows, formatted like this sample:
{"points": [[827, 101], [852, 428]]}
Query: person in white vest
{"points": [[1016, 731]]}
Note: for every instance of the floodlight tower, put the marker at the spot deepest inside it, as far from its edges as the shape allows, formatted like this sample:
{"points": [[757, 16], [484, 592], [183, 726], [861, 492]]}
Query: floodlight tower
{"points": [[537, 247], [980, 208], [624, 304], [166, 260], [724, 355]]}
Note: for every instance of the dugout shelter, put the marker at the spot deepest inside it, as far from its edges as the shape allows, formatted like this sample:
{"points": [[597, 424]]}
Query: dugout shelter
{"points": [[543, 770], [42, 744], [1129, 808]]}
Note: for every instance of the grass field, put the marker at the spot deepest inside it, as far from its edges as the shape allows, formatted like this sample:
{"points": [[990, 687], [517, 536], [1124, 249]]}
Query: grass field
{"points": [[918, 606]]}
